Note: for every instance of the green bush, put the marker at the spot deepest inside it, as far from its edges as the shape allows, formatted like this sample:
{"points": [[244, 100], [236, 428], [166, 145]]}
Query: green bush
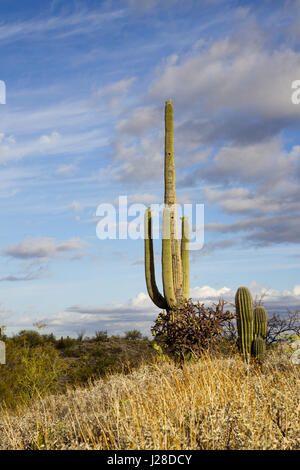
{"points": [[92, 366], [101, 336], [80, 336], [64, 343], [49, 338], [133, 335], [31, 337], [29, 372]]}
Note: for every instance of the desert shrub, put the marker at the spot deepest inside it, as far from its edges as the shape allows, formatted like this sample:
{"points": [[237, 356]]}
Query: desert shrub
{"points": [[133, 335], [189, 329], [49, 338], [64, 343], [93, 365], [29, 372], [80, 335], [71, 351], [280, 327], [101, 335], [31, 337], [97, 351]]}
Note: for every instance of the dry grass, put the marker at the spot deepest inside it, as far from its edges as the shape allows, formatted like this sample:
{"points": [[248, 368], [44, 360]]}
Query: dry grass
{"points": [[209, 405]]}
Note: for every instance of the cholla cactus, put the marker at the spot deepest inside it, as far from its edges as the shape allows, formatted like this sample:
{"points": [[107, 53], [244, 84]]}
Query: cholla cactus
{"points": [[175, 258]]}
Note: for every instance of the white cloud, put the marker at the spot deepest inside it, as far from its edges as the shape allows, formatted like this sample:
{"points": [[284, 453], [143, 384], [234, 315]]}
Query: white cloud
{"points": [[140, 120], [5, 315], [115, 92], [76, 206], [143, 198], [54, 143], [140, 161], [234, 73], [207, 293], [43, 248], [140, 313], [274, 300], [66, 170], [61, 26], [255, 162]]}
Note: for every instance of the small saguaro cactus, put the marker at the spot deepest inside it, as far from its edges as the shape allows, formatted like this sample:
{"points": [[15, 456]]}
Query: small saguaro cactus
{"points": [[175, 258], [260, 322], [244, 312]]}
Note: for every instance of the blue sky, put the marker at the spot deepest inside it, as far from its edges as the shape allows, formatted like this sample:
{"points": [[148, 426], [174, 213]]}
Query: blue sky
{"points": [[83, 124]]}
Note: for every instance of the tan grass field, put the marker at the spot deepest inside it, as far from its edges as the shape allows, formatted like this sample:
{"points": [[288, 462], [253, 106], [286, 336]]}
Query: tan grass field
{"points": [[211, 404]]}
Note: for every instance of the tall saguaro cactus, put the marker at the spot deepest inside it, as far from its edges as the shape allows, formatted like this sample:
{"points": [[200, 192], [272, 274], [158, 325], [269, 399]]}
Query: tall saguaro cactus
{"points": [[175, 258]]}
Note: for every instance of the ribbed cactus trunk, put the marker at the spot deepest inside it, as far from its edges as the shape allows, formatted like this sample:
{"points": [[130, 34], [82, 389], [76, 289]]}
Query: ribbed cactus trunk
{"points": [[175, 257], [170, 200], [244, 313], [260, 322], [167, 258], [258, 349], [185, 237]]}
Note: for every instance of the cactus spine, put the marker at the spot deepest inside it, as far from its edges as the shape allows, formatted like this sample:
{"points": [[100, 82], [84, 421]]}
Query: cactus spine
{"points": [[244, 311], [175, 258]]}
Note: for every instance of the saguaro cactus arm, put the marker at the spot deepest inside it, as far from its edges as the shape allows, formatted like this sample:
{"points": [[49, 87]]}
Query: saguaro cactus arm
{"points": [[185, 238], [153, 291]]}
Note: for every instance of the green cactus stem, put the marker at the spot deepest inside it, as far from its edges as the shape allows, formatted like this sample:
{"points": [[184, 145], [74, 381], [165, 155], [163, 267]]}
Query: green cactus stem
{"points": [[185, 238], [153, 291], [244, 312], [167, 273], [258, 349], [260, 322], [170, 199]]}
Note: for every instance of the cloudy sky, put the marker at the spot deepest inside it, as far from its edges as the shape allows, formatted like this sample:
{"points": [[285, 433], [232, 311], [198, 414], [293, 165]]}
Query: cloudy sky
{"points": [[83, 124]]}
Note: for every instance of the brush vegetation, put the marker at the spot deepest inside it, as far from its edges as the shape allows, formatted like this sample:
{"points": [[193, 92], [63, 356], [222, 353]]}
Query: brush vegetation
{"points": [[207, 404], [120, 393]]}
